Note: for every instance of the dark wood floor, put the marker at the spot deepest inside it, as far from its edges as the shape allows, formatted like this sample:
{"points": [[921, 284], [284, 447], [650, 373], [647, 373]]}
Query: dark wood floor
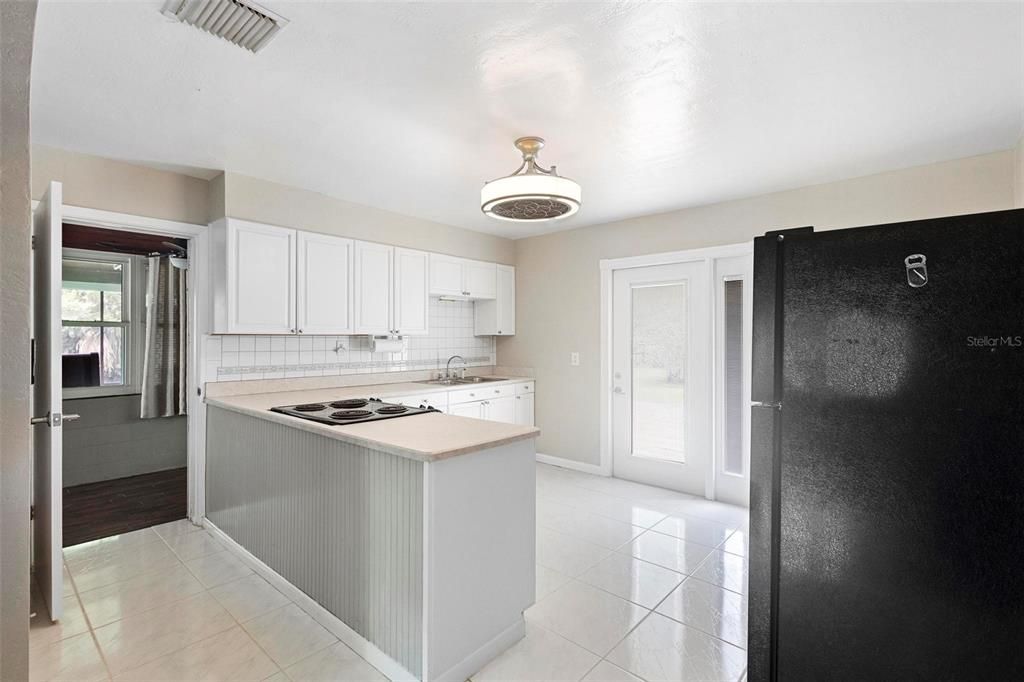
{"points": [[99, 510]]}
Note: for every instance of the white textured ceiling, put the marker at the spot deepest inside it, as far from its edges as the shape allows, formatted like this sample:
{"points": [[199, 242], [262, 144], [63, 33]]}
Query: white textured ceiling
{"points": [[651, 107]]}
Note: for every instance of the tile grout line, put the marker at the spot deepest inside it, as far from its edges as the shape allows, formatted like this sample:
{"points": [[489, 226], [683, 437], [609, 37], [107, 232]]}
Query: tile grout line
{"points": [[88, 621], [242, 627]]}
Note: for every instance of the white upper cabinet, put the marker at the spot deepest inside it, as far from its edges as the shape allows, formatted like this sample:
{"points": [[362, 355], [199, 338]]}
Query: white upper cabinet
{"points": [[497, 317], [324, 280], [253, 280], [462, 278], [411, 291], [446, 276], [372, 289], [481, 279], [266, 279]]}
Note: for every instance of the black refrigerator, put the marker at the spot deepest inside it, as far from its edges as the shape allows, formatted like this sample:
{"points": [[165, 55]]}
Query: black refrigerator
{"points": [[887, 452]]}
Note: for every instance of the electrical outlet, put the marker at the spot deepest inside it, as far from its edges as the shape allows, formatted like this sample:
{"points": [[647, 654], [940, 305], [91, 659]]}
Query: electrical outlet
{"points": [[574, 359]]}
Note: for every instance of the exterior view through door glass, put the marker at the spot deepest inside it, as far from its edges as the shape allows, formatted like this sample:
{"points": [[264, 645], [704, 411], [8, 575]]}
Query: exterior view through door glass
{"points": [[733, 295], [660, 350]]}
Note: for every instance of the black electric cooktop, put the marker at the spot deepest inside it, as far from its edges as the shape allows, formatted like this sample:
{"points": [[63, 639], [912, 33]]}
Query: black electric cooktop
{"points": [[350, 411]]}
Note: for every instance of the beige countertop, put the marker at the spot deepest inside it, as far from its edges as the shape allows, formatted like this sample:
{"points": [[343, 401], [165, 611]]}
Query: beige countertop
{"points": [[423, 437]]}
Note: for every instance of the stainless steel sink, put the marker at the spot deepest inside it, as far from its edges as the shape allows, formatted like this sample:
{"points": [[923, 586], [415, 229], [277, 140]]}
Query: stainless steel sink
{"points": [[459, 382]]}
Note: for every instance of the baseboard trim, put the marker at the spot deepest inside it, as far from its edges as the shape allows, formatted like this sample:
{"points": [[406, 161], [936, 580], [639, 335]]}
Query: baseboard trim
{"points": [[374, 656], [473, 663], [572, 464]]}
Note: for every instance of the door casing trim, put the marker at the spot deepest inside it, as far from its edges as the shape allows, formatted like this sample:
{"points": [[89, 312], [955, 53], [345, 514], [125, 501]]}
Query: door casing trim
{"points": [[607, 267], [198, 317]]}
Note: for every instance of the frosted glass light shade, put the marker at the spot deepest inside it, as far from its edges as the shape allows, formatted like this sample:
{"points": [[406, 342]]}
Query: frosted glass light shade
{"points": [[531, 197]]}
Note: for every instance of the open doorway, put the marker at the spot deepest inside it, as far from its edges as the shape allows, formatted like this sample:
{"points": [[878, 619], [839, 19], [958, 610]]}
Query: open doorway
{"points": [[124, 330]]}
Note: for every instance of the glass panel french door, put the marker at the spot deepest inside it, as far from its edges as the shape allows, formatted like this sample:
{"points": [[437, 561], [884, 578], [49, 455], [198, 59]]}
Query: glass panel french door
{"points": [[661, 376]]}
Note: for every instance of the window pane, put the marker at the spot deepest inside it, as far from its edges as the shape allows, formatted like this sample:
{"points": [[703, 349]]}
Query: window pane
{"points": [[107, 342], [112, 359], [659, 370], [79, 305], [734, 409], [86, 287], [112, 306]]}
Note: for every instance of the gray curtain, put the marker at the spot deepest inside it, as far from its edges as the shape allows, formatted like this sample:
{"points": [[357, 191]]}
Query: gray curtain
{"points": [[163, 370]]}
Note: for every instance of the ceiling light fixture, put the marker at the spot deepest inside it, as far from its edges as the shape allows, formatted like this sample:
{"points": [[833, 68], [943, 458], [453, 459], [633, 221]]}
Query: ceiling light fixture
{"points": [[531, 193]]}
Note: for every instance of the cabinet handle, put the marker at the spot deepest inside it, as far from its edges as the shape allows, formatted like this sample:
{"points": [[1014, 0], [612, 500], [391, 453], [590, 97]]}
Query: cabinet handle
{"points": [[499, 331], [519, 397], [497, 390], [300, 331], [293, 331]]}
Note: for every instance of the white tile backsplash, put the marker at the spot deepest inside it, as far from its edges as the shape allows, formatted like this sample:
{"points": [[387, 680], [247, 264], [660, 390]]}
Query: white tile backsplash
{"points": [[234, 358]]}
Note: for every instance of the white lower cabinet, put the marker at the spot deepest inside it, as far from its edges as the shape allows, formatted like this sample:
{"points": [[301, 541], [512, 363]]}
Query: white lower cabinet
{"points": [[474, 410], [439, 401], [501, 409], [509, 403], [524, 409]]}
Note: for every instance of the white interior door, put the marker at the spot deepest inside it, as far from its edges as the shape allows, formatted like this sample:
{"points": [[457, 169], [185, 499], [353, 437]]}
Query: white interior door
{"points": [[47, 419], [661, 338], [733, 283]]}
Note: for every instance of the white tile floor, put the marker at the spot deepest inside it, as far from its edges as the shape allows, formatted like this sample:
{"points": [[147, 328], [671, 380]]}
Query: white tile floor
{"points": [[633, 582]]}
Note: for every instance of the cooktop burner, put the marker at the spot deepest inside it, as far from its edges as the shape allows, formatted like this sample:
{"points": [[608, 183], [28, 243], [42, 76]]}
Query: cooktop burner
{"points": [[349, 403], [348, 411], [350, 414], [310, 407]]}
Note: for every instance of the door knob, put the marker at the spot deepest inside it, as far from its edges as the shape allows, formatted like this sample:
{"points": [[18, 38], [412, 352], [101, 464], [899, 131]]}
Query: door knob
{"points": [[618, 389], [54, 419]]}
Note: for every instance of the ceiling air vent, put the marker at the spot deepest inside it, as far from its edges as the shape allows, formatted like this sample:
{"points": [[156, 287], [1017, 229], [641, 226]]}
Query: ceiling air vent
{"points": [[245, 24]]}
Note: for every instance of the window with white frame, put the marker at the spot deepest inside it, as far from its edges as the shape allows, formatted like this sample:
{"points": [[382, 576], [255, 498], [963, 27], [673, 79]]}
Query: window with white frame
{"points": [[101, 324]]}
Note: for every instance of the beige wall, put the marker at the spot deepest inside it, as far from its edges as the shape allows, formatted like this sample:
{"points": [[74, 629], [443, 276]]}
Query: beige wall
{"points": [[260, 200], [558, 283], [17, 20], [96, 182]]}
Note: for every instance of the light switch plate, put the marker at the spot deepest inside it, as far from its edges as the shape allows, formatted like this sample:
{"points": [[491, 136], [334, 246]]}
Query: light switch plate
{"points": [[574, 359]]}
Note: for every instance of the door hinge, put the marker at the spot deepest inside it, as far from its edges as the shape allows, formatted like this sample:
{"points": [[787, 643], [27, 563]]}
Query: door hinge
{"points": [[32, 513], [33, 241]]}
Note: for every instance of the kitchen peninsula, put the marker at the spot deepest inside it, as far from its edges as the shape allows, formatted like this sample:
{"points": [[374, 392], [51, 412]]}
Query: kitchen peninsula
{"points": [[415, 533]]}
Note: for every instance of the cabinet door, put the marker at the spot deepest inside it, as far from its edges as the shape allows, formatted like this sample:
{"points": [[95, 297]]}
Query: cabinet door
{"points": [[524, 409], [372, 288], [474, 410], [324, 271], [446, 275], [481, 279], [506, 300], [412, 291], [261, 279], [502, 409]]}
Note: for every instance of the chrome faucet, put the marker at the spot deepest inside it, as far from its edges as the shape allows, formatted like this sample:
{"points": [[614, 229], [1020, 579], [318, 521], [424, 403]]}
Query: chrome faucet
{"points": [[448, 366]]}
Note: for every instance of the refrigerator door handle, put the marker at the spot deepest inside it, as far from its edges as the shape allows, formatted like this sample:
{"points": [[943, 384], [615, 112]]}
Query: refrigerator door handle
{"points": [[774, 406]]}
